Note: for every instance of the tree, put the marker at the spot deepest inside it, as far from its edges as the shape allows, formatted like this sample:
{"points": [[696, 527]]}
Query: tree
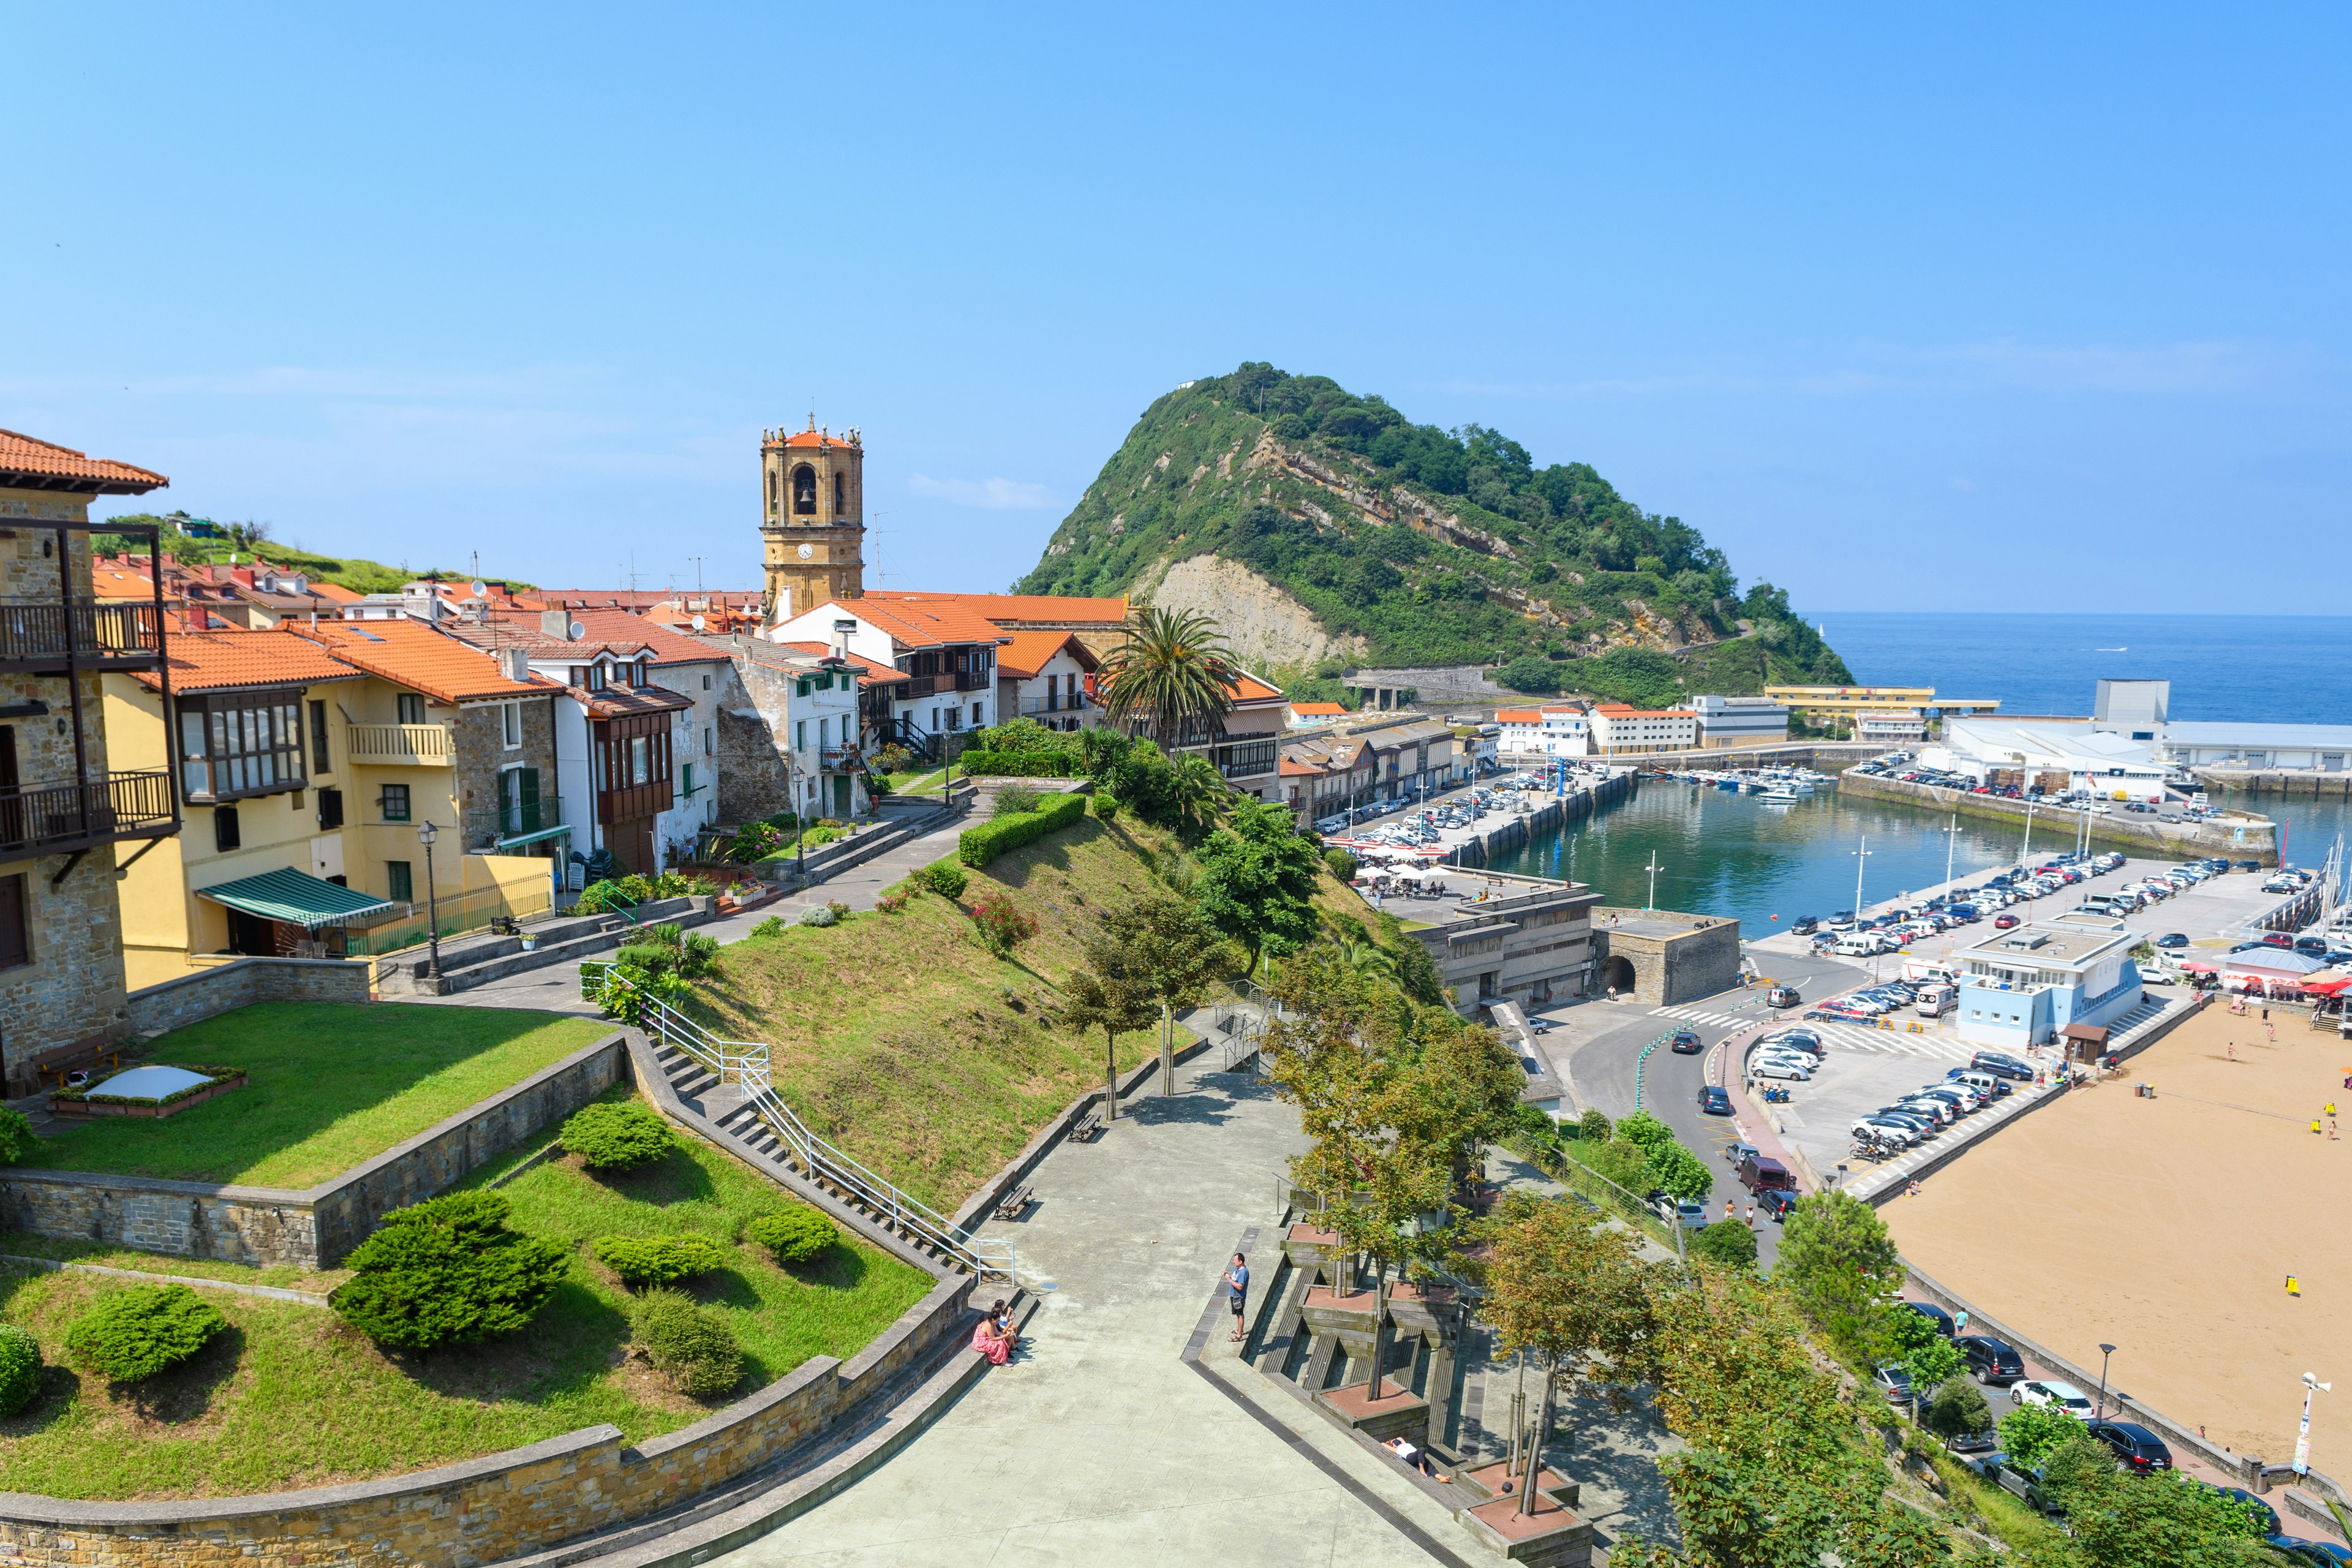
{"points": [[1116, 999], [1957, 1409], [2032, 1433], [1170, 948], [1574, 1293], [1838, 1261], [1727, 1243], [1258, 879], [1676, 1170], [1172, 678], [1197, 793], [1927, 1357], [2119, 1521]]}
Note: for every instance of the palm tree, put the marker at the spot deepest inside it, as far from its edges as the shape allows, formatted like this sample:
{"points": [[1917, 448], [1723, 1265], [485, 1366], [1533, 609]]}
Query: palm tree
{"points": [[1172, 678]]}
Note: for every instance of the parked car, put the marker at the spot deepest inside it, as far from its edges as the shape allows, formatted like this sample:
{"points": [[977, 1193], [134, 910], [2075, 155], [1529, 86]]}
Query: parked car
{"points": [[1687, 1043], [1893, 1382], [2003, 922], [1783, 996], [1761, 1174], [2299, 1550], [1688, 1213], [1881, 1128], [2058, 1395], [1714, 1100], [1839, 1013], [1988, 1360], [2137, 1448], [1774, 1204], [1934, 1314], [2172, 939], [1787, 1069], [1805, 925], [2002, 1064]]}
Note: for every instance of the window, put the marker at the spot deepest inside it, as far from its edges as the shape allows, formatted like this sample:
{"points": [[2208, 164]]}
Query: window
{"points": [[799, 735], [318, 752], [804, 491], [412, 708], [687, 776], [824, 735], [15, 924], [641, 759], [398, 886], [580, 676], [394, 802], [705, 683], [978, 716], [239, 745], [595, 677], [225, 833], [710, 742], [510, 718], [840, 494], [330, 809]]}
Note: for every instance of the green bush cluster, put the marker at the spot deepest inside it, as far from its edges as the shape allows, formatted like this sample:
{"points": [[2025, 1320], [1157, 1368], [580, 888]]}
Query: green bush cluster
{"points": [[980, 764], [138, 1330], [1342, 864], [659, 1259], [20, 1368], [944, 878], [690, 1344], [448, 1270], [1106, 805], [978, 846], [772, 926], [17, 1140], [1727, 1242], [796, 1235], [1013, 800], [618, 1137]]}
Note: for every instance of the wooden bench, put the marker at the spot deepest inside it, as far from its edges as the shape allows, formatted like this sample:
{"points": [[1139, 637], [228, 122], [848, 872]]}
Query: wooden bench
{"points": [[1015, 1203], [63, 1061], [1088, 1128]]}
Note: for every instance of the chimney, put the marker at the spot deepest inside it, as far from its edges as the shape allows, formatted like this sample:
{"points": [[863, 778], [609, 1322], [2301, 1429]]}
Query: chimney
{"points": [[515, 663], [555, 624], [841, 630]]}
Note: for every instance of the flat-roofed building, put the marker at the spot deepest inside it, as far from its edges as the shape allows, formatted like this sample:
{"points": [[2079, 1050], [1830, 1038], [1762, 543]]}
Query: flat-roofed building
{"points": [[1816, 703], [2022, 986], [1619, 730], [1554, 729], [1741, 721], [1890, 728]]}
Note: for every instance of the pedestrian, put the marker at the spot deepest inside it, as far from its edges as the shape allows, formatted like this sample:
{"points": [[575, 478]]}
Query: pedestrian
{"points": [[2331, 1130], [2233, 1050], [1237, 1291], [1751, 1214], [2266, 1013], [1729, 1211], [1915, 1186]]}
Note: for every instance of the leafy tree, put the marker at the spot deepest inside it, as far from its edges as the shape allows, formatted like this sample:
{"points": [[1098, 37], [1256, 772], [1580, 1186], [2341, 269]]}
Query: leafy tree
{"points": [[1170, 950], [18, 1143], [1197, 794], [1674, 1170], [1572, 1293], [1726, 1243], [1593, 1125], [1957, 1409], [2119, 1520], [1621, 1161], [1114, 995], [2032, 1433], [1172, 678], [1258, 880], [1838, 1262], [1646, 1129], [1416, 971], [1927, 1357]]}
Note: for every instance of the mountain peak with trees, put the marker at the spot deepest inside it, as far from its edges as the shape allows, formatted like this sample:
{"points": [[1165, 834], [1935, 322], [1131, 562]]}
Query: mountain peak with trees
{"points": [[1325, 529]]}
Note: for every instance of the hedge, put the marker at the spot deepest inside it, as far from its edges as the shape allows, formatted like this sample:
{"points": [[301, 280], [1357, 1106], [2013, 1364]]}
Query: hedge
{"points": [[138, 1331], [981, 844], [795, 1236], [980, 764]]}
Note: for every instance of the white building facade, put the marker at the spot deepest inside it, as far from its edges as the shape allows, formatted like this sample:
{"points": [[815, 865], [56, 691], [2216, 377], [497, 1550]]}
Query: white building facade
{"points": [[1556, 730]]}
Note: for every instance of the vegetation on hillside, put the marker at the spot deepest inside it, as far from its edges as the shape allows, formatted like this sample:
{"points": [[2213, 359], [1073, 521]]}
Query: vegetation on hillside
{"points": [[1433, 546], [247, 540]]}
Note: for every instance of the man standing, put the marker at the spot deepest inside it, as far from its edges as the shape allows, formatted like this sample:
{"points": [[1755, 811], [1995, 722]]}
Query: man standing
{"points": [[1237, 1291]]}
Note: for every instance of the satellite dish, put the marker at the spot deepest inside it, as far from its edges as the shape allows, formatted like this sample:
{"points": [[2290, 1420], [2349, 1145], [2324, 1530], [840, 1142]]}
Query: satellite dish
{"points": [[481, 589], [577, 631], [700, 623]]}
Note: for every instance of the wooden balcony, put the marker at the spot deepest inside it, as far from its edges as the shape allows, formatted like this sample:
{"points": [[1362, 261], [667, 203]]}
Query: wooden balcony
{"points": [[68, 817], [50, 636], [399, 745]]}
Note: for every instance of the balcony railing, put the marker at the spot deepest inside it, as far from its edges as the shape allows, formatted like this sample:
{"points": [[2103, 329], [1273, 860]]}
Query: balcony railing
{"points": [[842, 759], [495, 825], [1060, 702], [54, 818], [120, 634], [975, 680], [921, 685], [399, 745]]}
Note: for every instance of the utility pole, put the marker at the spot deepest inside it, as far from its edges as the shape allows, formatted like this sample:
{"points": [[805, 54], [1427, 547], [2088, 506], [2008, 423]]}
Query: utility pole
{"points": [[1861, 854], [1653, 870], [1951, 844]]}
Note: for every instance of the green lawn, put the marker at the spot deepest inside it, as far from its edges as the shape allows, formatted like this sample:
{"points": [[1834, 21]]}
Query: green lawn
{"points": [[291, 1397], [330, 1084]]}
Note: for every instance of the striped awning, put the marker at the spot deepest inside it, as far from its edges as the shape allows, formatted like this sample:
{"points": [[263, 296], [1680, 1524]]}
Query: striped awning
{"points": [[296, 898]]}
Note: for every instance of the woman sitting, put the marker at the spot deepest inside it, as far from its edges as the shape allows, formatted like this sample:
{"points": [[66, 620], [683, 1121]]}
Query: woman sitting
{"points": [[991, 1344]]}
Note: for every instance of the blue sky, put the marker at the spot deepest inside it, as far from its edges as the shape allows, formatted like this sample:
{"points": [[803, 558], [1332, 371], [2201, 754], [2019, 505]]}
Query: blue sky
{"points": [[1904, 311]]}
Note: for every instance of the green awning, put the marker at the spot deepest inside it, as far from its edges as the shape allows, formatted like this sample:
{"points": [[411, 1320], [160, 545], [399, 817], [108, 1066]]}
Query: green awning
{"points": [[544, 832], [296, 898]]}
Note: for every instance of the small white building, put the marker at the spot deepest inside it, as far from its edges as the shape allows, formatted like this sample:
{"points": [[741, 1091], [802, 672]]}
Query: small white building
{"points": [[1621, 731], [1044, 675], [1741, 721], [1894, 727], [1992, 750], [1555, 729], [1313, 715], [947, 651]]}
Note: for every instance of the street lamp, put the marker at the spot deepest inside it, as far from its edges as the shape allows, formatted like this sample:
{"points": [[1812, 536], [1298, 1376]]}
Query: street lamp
{"points": [[2104, 1352], [2303, 1437], [1862, 852], [1653, 870], [425, 834]]}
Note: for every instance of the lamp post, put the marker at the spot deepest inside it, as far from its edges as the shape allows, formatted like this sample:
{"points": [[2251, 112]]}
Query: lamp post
{"points": [[1861, 853], [425, 834], [1951, 846], [2303, 1436], [2104, 1352], [1653, 869]]}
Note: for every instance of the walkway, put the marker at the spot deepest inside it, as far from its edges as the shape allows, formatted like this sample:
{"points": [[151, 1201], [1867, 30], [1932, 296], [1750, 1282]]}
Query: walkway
{"points": [[556, 988]]}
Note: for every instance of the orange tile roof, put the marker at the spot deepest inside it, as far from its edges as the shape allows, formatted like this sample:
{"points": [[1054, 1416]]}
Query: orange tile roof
{"points": [[1519, 716], [218, 661], [1321, 710], [28, 454], [925, 622], [668, 646], [1292, 770], [1029, 652], [338, 592], [1021, 606], [879, 675], [412, 653], [1250, 688], [814, 438]]}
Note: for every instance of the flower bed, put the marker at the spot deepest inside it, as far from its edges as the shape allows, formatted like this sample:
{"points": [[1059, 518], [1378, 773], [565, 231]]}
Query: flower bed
{"points": [[220, 1080]]}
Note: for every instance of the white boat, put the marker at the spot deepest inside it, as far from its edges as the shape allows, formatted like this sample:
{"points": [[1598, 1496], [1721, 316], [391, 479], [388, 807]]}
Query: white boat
{"points": [[1779, 794]]}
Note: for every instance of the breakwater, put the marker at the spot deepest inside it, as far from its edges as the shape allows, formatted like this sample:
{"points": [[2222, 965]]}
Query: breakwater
{"points": [[1486, 844], [2239, 838], [2305, 785]]}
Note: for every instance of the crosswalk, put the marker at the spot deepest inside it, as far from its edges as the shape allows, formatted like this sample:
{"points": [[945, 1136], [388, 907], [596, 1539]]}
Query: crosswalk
{"points": [[1895, 1042]]}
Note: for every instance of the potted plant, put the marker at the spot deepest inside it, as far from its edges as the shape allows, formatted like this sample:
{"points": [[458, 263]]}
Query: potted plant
{"points": [[529, 941]]}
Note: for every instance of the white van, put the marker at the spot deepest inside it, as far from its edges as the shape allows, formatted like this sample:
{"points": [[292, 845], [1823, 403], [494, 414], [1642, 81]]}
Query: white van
{"points": [[1936, 1001], [1860, 945], [1931, 969], [1984, 1083]]}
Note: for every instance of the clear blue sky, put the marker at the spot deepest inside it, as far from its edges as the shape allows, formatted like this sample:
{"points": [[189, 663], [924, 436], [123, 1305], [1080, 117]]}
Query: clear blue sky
{"points": [[1987, 310]]}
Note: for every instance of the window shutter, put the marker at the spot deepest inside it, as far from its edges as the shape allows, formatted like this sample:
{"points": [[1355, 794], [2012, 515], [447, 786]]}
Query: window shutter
{"points": [[15, 945], [331, 808], [527, 788]]}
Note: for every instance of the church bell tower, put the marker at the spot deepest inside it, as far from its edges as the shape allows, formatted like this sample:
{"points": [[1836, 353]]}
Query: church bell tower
{"points": [[812, 523]]}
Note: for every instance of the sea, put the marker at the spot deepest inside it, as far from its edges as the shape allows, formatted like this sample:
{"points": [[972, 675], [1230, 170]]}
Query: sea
{"points": [[1715, 852]]}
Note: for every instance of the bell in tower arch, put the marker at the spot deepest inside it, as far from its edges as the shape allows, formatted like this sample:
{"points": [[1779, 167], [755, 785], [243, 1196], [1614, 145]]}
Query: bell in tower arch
{"points": [[804, 491]]}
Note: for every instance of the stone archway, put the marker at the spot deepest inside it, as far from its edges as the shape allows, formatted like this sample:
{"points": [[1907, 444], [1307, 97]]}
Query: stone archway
{"points": [[1617, 974]]}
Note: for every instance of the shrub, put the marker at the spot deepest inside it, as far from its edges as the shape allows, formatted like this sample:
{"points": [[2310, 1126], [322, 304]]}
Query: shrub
{"points": [[773, 926], [1727, 1242], [448, 1270], [1593, 1124], [138, 1330], [819, 915], [944, 878], [795, 1235], [978, 846], [20, 1368], [893, 758], [1015, 800], [1342, 864], [984, 765], [618, 1137], [1958, 1410], [894, 903], [1003, 924], [840, 910], [690, 1344], [659, 1259], [17, 1141], [754, 841], [1107, 805]]}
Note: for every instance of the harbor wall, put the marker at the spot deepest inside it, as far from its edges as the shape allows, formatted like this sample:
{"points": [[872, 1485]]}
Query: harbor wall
{"points": [[2294, 784], [1485, 844], [2256, 839]]}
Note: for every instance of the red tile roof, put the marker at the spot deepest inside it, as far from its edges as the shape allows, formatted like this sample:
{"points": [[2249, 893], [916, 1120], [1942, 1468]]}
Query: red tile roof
{"points": [[1052, 607], [412, 653], [1249, 689], [219, 661], [34, 458], [872, 673], [1321, 710], [816, 438], [667, 647], [625, 702], [928, 621], [1030, 652]]}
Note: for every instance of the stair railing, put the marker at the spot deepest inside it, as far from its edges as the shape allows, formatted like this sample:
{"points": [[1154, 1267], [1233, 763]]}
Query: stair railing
{"points": [[746, 1063]]}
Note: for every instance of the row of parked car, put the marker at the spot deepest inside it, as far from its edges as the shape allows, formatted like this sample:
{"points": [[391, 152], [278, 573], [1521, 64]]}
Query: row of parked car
{"points": [[1913, 1118]]}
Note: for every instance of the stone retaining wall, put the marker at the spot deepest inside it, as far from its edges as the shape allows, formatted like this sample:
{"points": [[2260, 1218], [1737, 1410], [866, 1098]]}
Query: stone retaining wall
{"points": [[194, 997], [2054, 831], [314, 1229]]}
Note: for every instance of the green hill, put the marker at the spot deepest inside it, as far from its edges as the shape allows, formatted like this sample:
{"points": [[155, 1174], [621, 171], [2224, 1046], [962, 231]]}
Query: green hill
{"points": [[355, 572], [1325, 529]]}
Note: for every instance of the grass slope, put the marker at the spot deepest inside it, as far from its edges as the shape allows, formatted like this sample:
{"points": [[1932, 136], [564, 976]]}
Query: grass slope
{"points": [[292, 1397], [355, 573], [902, 1040], [331, 1084]]}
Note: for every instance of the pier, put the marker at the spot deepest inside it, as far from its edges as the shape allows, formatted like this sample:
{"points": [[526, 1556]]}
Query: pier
{"points": [[1480, 843], [2240, 837]]}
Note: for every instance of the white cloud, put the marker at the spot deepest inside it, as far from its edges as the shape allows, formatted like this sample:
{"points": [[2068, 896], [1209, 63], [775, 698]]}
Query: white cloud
{"points": [[992, 494]]}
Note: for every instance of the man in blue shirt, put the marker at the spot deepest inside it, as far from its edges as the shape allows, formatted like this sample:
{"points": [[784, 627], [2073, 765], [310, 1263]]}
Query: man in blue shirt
{"points": [[1237, 1291]]}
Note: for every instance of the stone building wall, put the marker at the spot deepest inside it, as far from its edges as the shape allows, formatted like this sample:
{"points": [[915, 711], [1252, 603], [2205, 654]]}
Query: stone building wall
{"points": [[479, 733], [752, 707], [1669, 967], [318, 1228]]}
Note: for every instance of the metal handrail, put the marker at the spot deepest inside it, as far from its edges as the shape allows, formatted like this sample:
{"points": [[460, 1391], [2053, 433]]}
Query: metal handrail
{"points": [[745, 1062]]}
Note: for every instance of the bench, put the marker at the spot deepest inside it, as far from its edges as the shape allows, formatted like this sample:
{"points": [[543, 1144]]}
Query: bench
{"points": [[63, 1061], [1087, 1128], [1015, 1203]]}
